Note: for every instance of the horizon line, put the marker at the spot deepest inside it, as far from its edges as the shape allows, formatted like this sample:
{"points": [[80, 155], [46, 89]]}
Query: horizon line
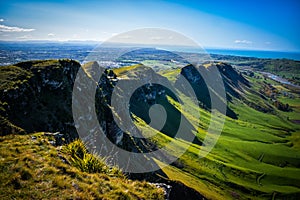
{"points": [[98, 42]]}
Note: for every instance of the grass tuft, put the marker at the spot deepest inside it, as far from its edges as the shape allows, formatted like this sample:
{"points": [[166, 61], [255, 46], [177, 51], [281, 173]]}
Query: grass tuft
{"points": [[86, 162]]}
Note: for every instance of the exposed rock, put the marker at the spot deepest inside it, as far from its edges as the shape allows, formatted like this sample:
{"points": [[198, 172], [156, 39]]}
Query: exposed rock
{"points": [[38, 94]]}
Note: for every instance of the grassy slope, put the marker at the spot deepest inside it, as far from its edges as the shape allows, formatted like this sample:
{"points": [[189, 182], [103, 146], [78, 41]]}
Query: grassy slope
{"points": [[257, 155], [31, 168], [123, 70]]}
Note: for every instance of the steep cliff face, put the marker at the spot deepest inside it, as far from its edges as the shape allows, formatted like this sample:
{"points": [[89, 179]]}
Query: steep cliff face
{"points": [[200, 77], [91, 89], [36, 96]]}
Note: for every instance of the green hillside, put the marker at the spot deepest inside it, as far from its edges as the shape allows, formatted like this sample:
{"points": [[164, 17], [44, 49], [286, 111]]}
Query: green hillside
{"points": [[257, 155]]}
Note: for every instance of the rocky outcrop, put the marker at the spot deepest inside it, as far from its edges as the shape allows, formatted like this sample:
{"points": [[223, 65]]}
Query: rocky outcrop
{"points": [[36, 96]]}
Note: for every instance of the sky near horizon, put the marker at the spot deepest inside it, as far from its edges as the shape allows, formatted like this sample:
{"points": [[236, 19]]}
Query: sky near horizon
{"points": [[264, 25]]}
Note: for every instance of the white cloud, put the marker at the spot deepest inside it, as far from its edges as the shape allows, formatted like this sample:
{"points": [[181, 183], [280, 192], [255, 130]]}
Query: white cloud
{"points": [[243, 42], [1, 20], [51, 34], [4, 28]]}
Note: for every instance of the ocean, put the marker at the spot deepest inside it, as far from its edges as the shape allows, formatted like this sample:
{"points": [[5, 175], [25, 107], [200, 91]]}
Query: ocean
{"points": [[256, 53]]}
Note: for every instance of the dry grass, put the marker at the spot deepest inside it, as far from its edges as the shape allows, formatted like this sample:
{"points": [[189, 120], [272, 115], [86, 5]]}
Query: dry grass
{"points": [[31, 168]]}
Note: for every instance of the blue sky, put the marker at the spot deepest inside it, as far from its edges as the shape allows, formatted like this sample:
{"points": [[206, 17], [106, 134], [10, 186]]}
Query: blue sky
{"points": [[269, 25]]}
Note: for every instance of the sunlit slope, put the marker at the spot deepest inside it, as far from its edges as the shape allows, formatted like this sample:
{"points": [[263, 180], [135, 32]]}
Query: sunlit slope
{"points": [[256, 156]]}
